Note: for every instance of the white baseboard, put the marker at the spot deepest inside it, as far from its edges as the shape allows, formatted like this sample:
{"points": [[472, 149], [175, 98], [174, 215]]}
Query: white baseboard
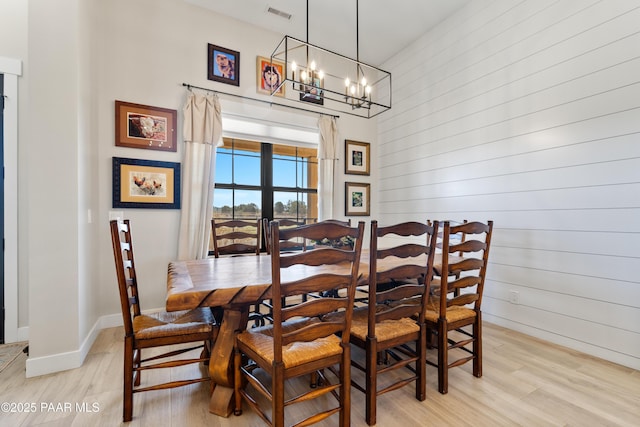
{"points": [[37, 366], [49, 364]]}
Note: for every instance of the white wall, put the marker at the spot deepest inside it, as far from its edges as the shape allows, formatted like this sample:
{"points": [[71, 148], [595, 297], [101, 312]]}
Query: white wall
{"points": [[528, 113]]}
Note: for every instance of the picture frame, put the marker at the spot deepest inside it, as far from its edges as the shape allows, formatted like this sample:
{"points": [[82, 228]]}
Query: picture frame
{"points": [[269, 75], [147, 184], [357, 199], [356, 157], [144, 126], [312, 91], [223, 65]]}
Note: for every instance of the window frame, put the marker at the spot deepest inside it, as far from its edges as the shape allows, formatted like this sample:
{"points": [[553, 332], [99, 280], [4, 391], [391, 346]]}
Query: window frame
{"points": [[266, 187]]}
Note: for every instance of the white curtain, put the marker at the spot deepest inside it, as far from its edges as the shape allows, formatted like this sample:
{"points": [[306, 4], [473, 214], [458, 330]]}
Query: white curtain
{"points": [[202, 132], [327, 156]]}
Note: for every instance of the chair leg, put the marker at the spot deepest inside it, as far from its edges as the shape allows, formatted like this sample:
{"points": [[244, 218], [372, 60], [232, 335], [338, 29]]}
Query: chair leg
{"points": [[443, 359], [477, 345], [277, 395], [371, 381], [237, 364], [127, 401], [345, 387], [421, 365]]}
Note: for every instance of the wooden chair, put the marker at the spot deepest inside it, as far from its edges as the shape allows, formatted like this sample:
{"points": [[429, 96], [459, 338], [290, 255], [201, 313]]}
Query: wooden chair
{"points": [[455, 306], [394, 316], [296, 244], [234, 237], [143, 331], [306, 338], [454, 238], [238, 237], [287, 245]]}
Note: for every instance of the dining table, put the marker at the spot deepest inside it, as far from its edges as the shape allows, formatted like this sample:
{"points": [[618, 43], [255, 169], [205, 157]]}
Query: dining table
{"points": [[233, 284]]}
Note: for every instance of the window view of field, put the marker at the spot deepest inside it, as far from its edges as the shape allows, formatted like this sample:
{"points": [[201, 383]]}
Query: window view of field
{"points": [[255, 180]]}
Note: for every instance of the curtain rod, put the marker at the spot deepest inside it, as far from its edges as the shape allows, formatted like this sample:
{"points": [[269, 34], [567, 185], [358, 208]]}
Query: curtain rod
{"points": [[189, 86]]}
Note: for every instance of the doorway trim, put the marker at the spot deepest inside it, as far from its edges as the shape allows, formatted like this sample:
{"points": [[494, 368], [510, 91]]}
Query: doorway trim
{"points": [[12, 69]]}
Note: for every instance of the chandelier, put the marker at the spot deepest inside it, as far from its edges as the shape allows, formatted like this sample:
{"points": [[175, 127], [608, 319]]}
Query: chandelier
{"points": [[336, 82]]}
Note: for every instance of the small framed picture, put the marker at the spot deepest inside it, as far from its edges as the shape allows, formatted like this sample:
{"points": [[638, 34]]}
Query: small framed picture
{"points": [[312, 91], [269, 76], [357, 201], [143, 126], [356, 157], [223, 65], [145, 184]]}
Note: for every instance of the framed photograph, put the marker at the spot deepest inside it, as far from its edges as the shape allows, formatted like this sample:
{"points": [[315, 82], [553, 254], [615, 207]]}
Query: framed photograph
{"points": [[357, 201], [145, 184], [224, 65], [143, 126], [269, 76], [312, 91], [356, 157]]}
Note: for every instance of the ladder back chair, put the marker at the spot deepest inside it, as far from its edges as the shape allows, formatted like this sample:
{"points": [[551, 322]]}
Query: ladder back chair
{"points": [[394, 316], [145, 331], [238, 237], [235, 237], [308, 338], [296, 244], [285, 245], [454, 311]]}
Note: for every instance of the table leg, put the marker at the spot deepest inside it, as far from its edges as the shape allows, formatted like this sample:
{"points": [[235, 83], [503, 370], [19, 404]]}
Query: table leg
{"points": [[221, 363]]}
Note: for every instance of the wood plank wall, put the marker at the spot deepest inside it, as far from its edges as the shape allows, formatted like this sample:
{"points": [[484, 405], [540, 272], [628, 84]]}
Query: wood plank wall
{"points": [[528, 113]]}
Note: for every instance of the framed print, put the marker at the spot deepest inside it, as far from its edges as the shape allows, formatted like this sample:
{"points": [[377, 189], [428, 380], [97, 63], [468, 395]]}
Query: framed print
{"points": [[312, 91], [269, 76], [357, 200], [224, 65], [143, 126], [356, 157], [145, 184]]}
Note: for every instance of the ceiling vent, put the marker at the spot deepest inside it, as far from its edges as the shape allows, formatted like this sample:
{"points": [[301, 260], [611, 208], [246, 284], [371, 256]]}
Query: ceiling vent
{"points": [[279, 13]]}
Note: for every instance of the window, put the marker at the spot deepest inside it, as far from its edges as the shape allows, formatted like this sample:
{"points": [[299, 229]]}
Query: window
{"points": [[260, 180]]}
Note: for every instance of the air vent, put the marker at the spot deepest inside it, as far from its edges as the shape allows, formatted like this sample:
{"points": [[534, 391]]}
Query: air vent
{"points": [[279, 13]]}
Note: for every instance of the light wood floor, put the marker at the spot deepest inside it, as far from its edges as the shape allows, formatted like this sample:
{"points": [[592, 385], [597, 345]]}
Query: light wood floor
{"points": [[526, 382]]}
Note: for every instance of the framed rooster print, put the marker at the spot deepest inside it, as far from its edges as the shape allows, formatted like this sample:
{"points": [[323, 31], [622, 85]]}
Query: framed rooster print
{"points": [[148, 184], [143, 126]]}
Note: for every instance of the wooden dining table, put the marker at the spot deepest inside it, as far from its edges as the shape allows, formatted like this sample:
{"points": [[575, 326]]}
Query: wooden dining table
{"points": [[234, 284]]}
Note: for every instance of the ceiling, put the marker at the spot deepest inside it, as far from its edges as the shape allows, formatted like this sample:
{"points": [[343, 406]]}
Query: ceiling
{"points": [[384, 26]]}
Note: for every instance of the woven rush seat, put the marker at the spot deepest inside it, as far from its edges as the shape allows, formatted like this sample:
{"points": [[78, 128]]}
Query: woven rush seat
{"points": [[385, 330], [453, 314], [295, 353], [168, 324]]}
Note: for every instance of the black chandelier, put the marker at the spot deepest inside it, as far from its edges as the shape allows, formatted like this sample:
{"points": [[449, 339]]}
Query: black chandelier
{"points": [[331, 80]]}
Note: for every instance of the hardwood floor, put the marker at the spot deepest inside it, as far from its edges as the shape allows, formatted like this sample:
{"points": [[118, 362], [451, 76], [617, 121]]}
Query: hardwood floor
{"points": [[526, 382]]}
